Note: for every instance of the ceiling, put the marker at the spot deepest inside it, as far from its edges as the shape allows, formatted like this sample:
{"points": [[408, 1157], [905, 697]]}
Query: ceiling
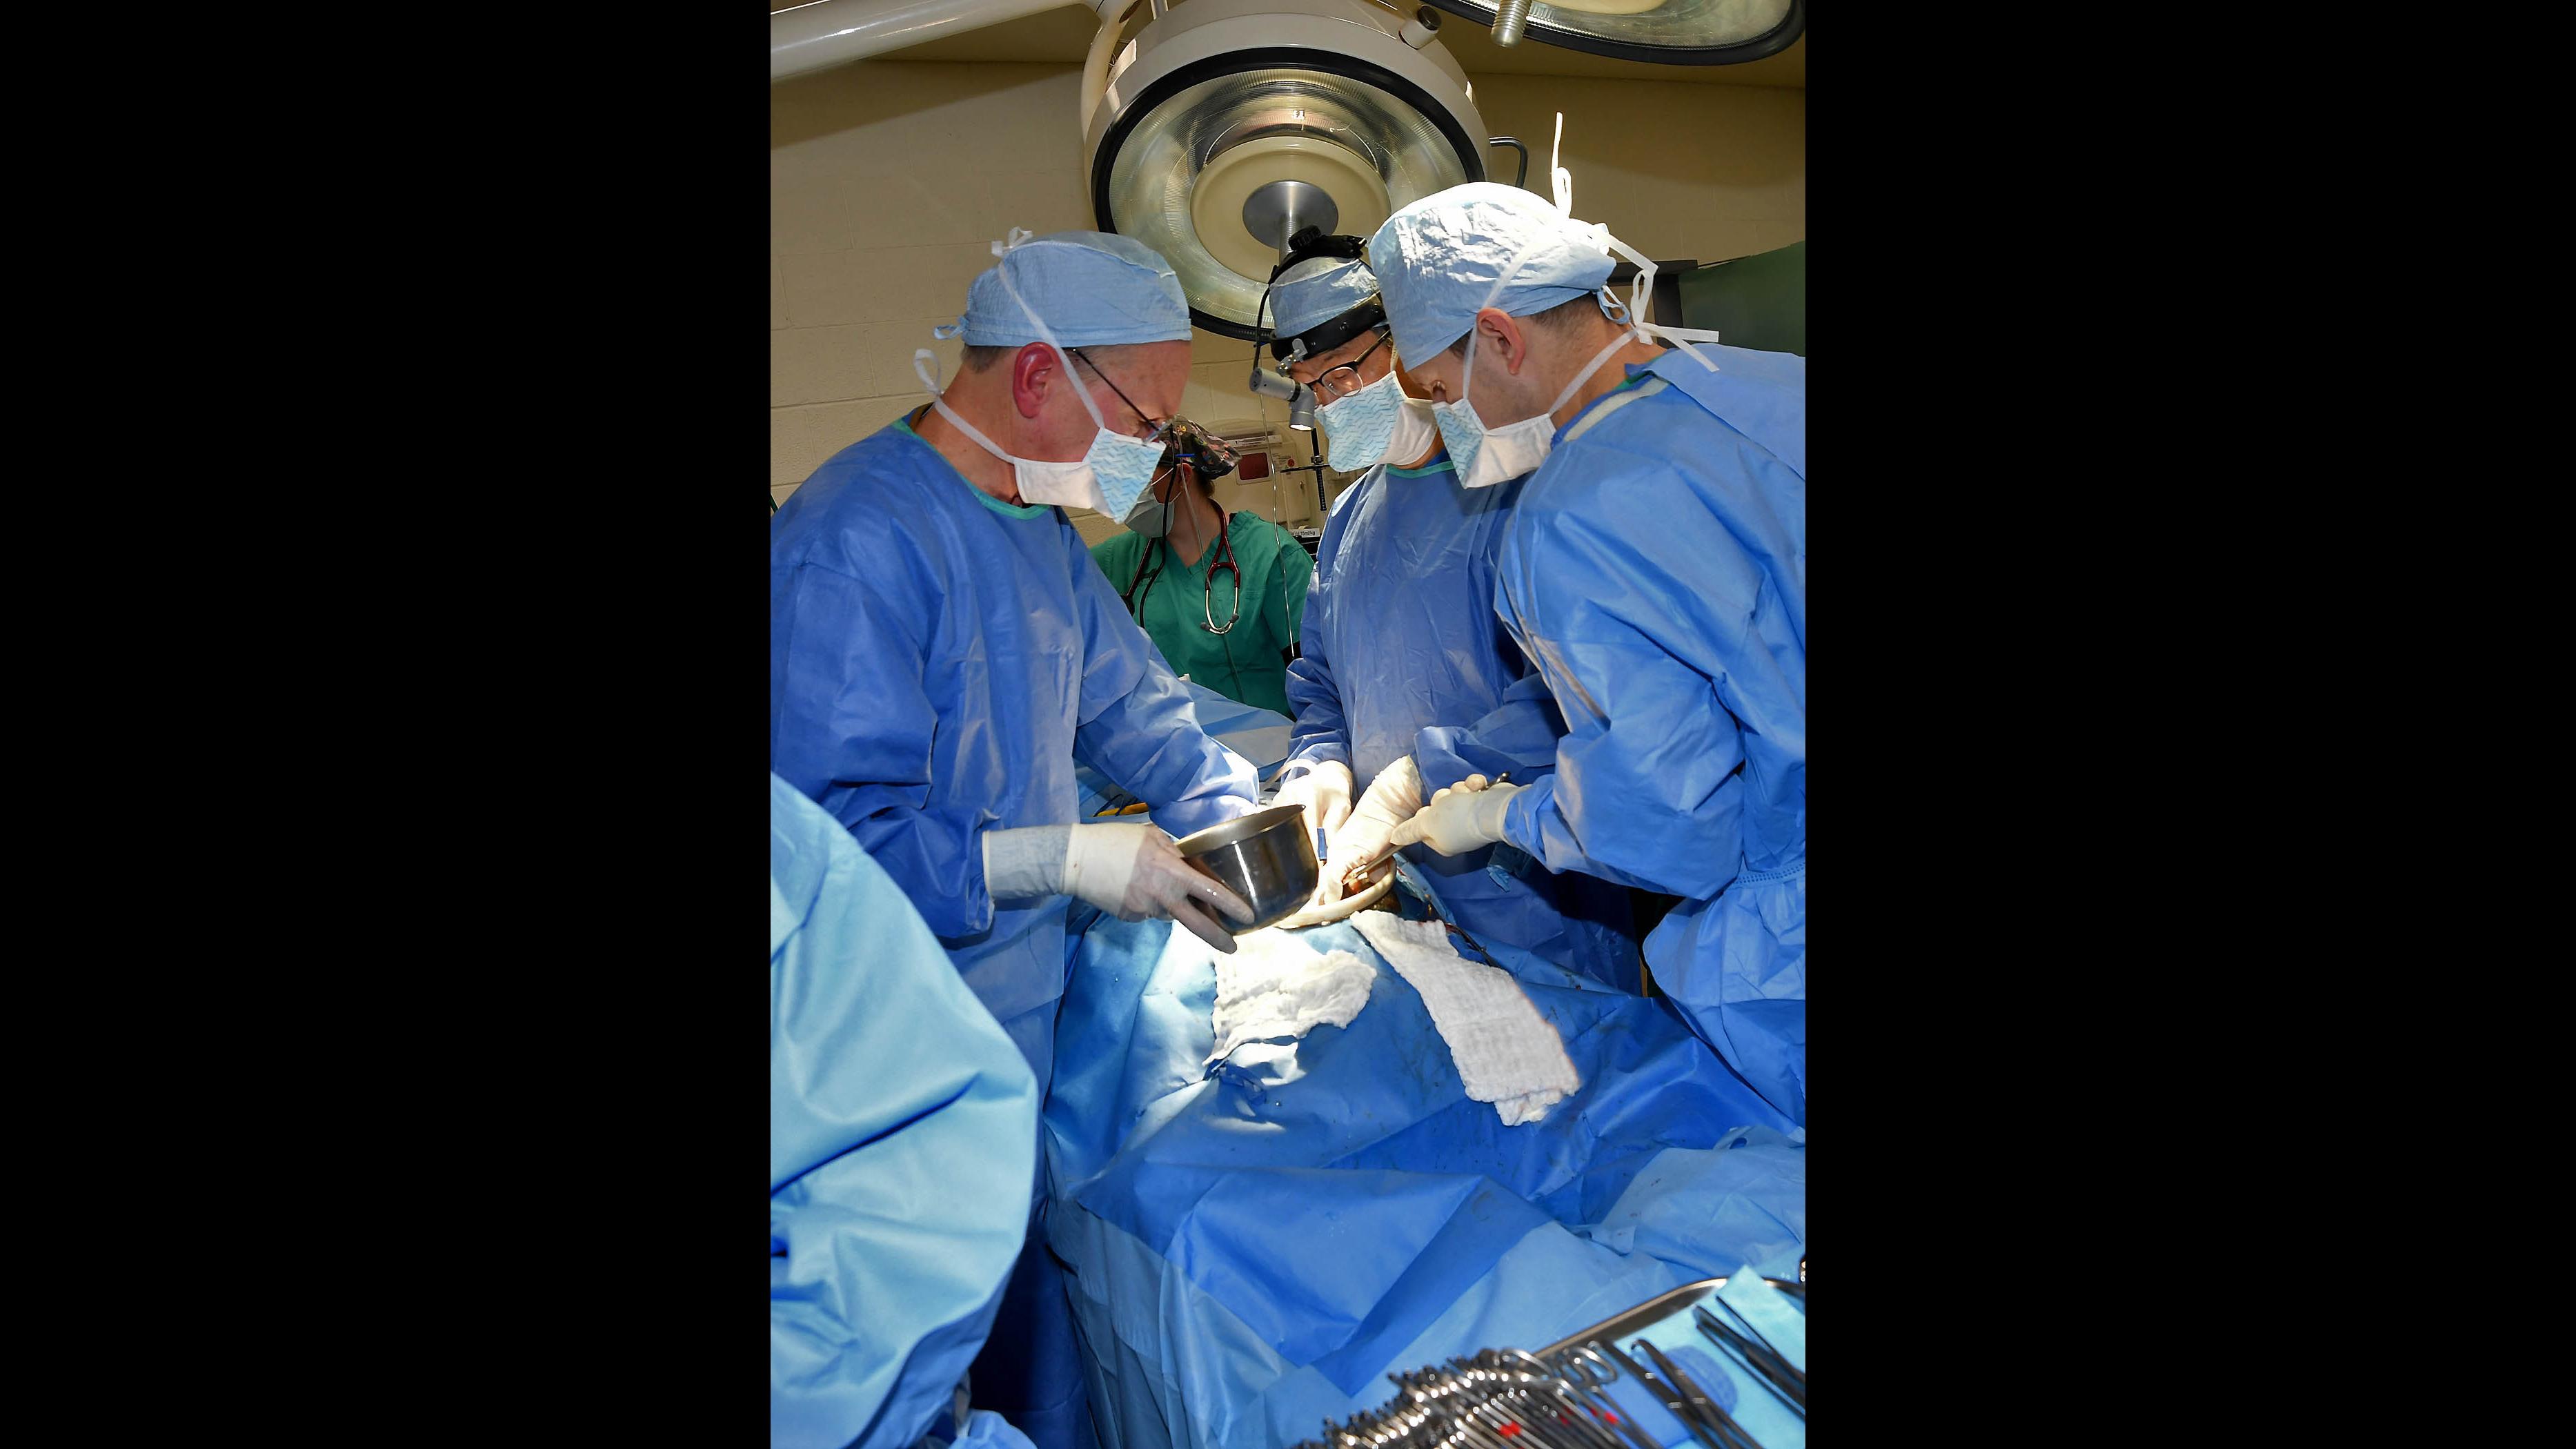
{"points": [[1061, 36]]}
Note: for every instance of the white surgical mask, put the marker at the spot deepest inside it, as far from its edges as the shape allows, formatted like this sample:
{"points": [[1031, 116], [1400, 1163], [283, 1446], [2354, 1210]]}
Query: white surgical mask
{"points": [[1377, 424], [1111, 477], [1152, 518], [1040, 480], [1486, 456], [1415, 433], [1360, 426]]}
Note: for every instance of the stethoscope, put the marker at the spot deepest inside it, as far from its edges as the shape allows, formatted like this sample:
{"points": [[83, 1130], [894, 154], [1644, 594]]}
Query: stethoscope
{"points": [[1224, 560]]}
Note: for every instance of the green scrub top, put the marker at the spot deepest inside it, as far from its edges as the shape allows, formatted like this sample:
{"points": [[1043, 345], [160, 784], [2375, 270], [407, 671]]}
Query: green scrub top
{"points": [[1248, 664]]}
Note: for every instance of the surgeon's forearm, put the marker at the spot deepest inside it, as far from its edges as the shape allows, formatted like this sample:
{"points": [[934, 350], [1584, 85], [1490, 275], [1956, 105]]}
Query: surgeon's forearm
{"points": [[1638, 843], [931, 852], [1322, 748], [1447, 754], [1318, 731], [1190, 779], [1536, 824], [1518, 737], [1521, 818], [1231, 788], [1027, 863], [1150, 743]]}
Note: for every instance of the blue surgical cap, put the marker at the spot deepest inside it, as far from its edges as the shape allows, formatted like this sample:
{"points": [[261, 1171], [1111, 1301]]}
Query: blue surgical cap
{"points": [[1091, 289], [1317, 290], [1438, 258]]}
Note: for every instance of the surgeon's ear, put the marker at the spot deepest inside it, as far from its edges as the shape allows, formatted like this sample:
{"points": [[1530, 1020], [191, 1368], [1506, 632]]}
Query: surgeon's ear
{"points": [[1503, 335], [1033, 371]]}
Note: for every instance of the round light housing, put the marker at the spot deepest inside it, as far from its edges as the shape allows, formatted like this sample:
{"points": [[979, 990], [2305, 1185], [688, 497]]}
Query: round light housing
{"points": [[1225, 119]]}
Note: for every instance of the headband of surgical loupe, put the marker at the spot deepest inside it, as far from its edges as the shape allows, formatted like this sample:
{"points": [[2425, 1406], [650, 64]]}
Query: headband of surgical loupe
{"points": [[1306, 246]]}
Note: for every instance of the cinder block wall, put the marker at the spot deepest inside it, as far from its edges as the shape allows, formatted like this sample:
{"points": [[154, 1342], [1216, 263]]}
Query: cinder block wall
{"points": [[889, 181]]}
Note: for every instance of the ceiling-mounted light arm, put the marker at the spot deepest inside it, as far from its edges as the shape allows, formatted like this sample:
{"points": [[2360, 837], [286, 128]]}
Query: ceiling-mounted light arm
{"points": [[1675, 32], [1515, 143], [826, 33], [1104, 46]]}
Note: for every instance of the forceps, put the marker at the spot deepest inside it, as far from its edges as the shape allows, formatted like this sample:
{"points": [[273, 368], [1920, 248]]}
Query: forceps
{"points": [[1515, 1397], [1582, 1371], [1672, 1398], [1680, 1383], [1488, 1402], [1563, 1390], [1775, 1371]]}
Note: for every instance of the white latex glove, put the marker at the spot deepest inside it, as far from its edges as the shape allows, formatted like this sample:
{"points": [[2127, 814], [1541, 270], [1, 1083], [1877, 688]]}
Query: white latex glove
{"points": [[1391, 799], [1324, 913], [1131, 870], [1325, 792], [1459, 818], [1134, 872]]}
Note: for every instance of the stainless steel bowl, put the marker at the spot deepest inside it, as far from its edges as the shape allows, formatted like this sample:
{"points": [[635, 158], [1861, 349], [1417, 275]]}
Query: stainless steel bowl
{"points": [[1266, 857]]}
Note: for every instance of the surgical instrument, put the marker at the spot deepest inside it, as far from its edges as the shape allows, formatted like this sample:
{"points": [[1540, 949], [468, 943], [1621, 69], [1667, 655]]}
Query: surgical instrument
{"points": [[1373, 861], [1766, 1358], [1671, 1398], [1696, 1398], [1764, 1367], [1582, 1369]]}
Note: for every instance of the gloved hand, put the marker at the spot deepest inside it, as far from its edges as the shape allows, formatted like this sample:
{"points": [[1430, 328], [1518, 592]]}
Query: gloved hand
{"points": [[1131, 870], [1325, 791], [1392, 797], [1136, 873], [1459, 818], [1324, 913]]}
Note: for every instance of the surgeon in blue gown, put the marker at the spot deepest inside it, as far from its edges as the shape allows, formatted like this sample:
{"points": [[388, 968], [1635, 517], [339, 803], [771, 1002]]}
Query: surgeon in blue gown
{"points": [[1655, 571], [896, 1111], [943, 650], [1400, 638]]}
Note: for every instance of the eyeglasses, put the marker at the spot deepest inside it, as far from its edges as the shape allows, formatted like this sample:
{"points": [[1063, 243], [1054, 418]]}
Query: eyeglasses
{"points": [[1159, 428], [1344, 380]]}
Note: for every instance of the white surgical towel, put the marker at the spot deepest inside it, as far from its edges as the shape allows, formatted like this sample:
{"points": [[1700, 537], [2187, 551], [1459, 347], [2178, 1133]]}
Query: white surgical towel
{"points": [[1506, 1052], [1275, 985]]}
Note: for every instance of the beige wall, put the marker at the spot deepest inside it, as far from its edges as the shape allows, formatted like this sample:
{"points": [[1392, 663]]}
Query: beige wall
{"points": [[889, 180], [1678, 171]]}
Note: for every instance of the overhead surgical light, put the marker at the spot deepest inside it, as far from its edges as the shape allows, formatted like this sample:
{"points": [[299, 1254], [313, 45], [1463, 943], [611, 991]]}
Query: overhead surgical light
{"points": [[1658, 32], [1227, 126]]}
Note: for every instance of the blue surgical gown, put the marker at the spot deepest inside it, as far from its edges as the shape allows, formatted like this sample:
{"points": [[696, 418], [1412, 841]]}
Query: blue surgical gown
{"points": [[938, 661], [1399, 638], [897, 1183], [1655, 571]]}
